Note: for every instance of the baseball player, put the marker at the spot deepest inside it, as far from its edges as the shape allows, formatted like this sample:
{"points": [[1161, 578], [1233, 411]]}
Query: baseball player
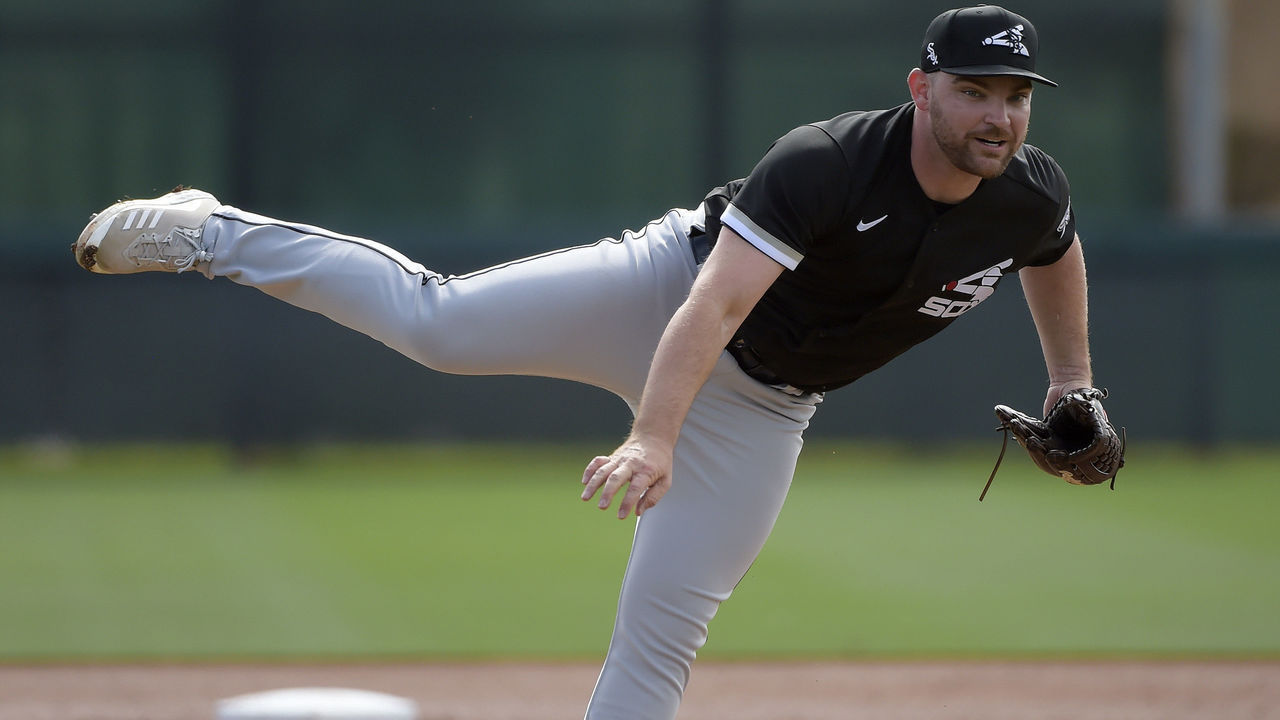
{"points": [[852, 240]]}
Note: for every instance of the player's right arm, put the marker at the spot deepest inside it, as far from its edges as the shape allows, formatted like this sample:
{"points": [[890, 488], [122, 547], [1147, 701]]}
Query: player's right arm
{"points": [[791, 199], [731, 282]]}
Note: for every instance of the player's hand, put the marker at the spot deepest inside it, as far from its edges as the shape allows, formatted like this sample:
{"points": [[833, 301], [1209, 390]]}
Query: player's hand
{"points": [[644, 467], [1057, 390]]}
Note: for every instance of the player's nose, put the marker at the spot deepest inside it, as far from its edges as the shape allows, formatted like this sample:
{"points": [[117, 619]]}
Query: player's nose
{"points": [[998, 115]]}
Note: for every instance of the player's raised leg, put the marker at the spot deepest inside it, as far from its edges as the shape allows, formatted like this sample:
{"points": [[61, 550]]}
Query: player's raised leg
{"points": [[590, 313], [164, 233]]}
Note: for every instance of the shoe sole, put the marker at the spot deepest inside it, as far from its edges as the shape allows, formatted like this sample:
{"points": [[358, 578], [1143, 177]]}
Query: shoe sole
{"points": [[86, 246]]}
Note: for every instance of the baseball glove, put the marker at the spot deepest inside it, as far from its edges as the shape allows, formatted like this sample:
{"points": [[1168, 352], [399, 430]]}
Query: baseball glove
{"points": [[1075, 442]]}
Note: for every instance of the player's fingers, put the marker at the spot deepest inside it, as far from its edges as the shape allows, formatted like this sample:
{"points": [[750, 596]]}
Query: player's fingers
{"points": [[597, 477], [640, 482], [653, 495], [620, 476], [592, 466]]}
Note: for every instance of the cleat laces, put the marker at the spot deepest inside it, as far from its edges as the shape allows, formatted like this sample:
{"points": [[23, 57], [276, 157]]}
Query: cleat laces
{"points": [[179, 250]]}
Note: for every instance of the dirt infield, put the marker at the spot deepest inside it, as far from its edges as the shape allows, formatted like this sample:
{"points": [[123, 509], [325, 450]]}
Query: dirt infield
{"points": [[783, 691]]}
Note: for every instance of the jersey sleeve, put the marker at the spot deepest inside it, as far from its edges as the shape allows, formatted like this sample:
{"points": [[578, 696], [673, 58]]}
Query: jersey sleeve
{"points": [[795, 195], [1054, 244]]}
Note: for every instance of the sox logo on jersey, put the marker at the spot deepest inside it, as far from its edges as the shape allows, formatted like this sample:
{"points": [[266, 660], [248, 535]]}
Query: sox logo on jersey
{"points": [[977, 287]]}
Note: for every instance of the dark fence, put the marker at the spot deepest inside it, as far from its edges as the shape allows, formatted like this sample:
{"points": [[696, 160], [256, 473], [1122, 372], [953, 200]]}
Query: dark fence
{"points": [[1182, 334], [469, 134]]}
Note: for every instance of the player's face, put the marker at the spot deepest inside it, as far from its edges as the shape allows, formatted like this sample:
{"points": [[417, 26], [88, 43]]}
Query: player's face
{"points": [[979, 122]]}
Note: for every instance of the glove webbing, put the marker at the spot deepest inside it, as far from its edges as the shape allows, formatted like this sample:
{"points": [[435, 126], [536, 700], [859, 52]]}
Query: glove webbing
{"points": [[1124, 443]]}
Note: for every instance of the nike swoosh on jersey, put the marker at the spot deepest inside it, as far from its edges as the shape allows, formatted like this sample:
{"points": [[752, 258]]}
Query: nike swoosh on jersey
{"points": [[864, 226]]}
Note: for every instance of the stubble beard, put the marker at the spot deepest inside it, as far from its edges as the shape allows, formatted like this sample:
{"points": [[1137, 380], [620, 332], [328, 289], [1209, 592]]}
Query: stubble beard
{"points": [[959, 149]]}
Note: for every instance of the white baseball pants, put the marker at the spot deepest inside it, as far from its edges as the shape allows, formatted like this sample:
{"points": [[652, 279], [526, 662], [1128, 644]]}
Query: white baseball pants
{"points": [[594, 314]]}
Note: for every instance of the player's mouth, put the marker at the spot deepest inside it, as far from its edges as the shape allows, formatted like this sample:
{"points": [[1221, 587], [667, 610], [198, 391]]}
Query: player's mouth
{"points": [[996, 144]]}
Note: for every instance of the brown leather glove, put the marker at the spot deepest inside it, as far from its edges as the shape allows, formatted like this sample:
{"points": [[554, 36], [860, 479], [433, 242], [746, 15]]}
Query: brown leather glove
{"points": [[1075, 442]]}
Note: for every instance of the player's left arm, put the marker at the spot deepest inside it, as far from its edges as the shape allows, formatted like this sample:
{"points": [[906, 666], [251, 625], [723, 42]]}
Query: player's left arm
{"points": [[1057, 295]]}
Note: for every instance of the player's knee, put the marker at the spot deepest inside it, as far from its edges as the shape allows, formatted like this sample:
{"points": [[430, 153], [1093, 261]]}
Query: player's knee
{"points": [[444, 350], [667, 631]]}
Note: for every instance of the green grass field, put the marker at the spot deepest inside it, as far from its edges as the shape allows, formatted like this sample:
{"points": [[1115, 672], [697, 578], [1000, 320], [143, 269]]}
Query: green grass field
{"points": [[474, 551]]}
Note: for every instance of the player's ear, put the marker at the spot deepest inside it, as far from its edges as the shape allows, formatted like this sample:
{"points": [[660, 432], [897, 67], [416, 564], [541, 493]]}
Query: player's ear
{"points": [[918, 84]]}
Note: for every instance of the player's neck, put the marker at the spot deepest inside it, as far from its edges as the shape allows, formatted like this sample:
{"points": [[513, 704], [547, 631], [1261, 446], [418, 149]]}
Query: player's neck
{"points": [[941, 180]]}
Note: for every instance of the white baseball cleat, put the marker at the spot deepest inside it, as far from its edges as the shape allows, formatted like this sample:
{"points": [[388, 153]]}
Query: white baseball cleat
{"points": [[164, 233]]}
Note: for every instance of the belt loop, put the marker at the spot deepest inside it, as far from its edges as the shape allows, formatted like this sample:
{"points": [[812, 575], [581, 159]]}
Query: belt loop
{"points": [[747, 360]]}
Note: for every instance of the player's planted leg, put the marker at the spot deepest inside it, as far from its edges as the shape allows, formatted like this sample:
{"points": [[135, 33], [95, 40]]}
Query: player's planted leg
{"points": [[733, 466]]}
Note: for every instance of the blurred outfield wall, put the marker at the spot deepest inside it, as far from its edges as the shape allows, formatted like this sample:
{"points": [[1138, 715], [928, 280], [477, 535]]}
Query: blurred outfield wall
{"points": [[467, 135]]}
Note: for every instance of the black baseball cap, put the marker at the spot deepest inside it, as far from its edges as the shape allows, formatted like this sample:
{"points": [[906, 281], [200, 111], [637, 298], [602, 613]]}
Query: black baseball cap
{"points": [[982, 40]]}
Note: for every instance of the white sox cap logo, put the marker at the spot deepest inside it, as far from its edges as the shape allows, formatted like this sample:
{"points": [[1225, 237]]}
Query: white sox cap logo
{"points": [[1011, 38]]}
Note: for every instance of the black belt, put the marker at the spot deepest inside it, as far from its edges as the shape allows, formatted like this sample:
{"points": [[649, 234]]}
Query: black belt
{"points": [[754, 367]]}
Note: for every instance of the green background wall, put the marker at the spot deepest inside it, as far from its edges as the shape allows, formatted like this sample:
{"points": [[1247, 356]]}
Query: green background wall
{"points": [[470, 134]]}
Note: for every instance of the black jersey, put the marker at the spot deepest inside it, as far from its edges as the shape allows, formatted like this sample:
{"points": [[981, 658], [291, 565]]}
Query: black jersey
{"points": [[876, 266]]}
